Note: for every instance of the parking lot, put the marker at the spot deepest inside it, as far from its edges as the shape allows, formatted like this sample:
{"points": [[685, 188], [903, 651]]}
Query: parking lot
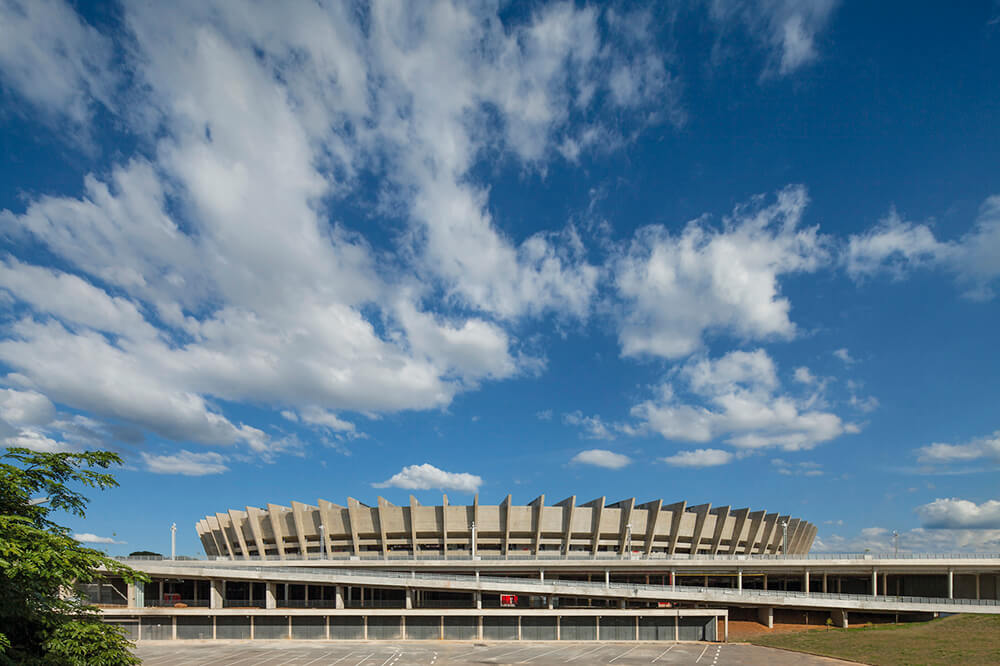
{"points": [[292, 653]]}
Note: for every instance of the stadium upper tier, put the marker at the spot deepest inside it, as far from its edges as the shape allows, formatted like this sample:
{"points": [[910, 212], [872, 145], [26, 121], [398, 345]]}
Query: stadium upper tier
{"points": [[491, 530]]}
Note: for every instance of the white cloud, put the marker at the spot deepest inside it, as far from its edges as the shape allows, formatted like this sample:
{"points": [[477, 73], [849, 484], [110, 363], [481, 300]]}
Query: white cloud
{"points": [[54, 60], [919, 540], [592, 426], [804, 376], [544, 415], [186, 463], [87, 537], [427, 477], [699, 458], [601, 458], [737, 397], [788, 29], [802, 468], [844, 355], [678, 289], [260, 126], [957, 513], [25, 408], [982, 448], [897, 246]]}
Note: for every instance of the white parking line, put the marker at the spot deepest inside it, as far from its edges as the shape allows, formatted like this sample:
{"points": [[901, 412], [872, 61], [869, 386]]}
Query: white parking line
{"points": [[664, 652], [389, 658], [701, 655], [514, 652], [543, 654], [623, 653], [586, 653], [365, 659]]}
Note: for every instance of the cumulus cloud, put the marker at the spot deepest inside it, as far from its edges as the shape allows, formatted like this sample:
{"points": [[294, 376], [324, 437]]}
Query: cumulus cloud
{"points": [[918, 540], [699, 458], [896, 246], [787, 29], [592, 427], [87, 537], [265, 129], [957, 513], [802, 468], [737, 397], [427, 477], [601, 458], [54, 60], [982, 448], [186, 463], [679, 288]]}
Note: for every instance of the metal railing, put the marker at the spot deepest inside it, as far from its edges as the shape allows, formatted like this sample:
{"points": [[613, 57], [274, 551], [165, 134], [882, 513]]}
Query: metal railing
{"points": [[583, 556], [174, 603], [598, 588]]}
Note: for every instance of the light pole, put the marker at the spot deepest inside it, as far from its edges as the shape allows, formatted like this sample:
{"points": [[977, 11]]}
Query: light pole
{"points": [[173, 541], [473, 539], [784, 538], [895, 543]]}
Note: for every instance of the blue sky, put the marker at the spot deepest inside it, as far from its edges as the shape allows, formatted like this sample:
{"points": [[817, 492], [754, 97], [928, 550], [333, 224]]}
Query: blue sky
{"points": [[729, 252]]}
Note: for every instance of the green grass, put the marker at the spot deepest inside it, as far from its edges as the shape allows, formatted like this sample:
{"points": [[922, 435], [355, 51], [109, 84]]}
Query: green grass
{"points": [[960, 639]]}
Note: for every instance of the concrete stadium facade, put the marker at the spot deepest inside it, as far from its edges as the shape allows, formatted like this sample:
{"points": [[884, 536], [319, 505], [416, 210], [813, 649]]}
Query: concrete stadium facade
{"points": [[651, 529]]}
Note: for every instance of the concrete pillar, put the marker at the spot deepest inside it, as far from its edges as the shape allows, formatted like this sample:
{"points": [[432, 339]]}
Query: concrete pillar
{"points": [[824, 582], [839, 584], [677, 627], [173, 627], [621, 603], [673, 579], [402, 626], [518, 627], [725, 637], [977, 587], [364, 627], [839, 618], [766, 616], [214, 631], [874, 583], [885, 584], [409, 598], [327, 627], [217, 594], [252, 629], [607, 578], [706, 580], [739, 580], [951, 584], [541, 575], [306, 594], [765, 581], [270, 595], [130, 593], [558, 628], [805, 582], [550, 600], [479, 628], [479, 600], [339, 596]]}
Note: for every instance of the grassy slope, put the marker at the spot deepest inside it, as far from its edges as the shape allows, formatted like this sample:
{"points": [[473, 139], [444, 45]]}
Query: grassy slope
{"points": [[960, 639]]}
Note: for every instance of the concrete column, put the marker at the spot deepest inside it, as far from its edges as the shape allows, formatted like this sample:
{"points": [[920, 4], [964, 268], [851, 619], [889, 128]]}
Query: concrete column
{"points": [[621, 603], [541, 575], [362, 596], [518, 627], [409, 598], [885, 584], [739, 580], [977, 587], [217, 592], [479, 628], [951, 584], [364, 627], [636, 627], [706, 580], [765, 581], [479, 600], [403, 627], [252, 629], [214, 631], [673, 579], [607, 578], [725, 637], [327, 627], [130, 593], [160, 597], [824, 582], [550, 599], [270, 595], [558, 628], [677, 628], [839, 584], [765, 615], [339, 596], [805, 582], [173, 627], [874, 583], [306, 594]]}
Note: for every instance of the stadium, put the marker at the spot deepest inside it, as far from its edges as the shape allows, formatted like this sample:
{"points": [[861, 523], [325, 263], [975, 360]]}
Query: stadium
{"points": [[563, 571]]}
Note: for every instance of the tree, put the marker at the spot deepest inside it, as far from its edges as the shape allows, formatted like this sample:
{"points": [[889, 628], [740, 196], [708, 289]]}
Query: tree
{"points": [[43, 620]]}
